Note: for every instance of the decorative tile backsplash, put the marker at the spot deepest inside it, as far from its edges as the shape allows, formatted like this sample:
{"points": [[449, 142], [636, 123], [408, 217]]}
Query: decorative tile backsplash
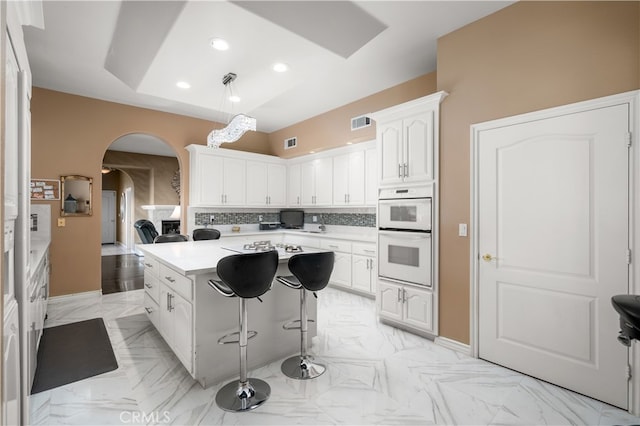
{"points": [[231, 218]]}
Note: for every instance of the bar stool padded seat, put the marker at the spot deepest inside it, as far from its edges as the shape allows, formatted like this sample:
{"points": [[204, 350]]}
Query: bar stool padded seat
{"points": [[245, 276]]}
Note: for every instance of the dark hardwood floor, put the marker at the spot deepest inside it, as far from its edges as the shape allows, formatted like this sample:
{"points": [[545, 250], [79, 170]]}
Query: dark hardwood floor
{"points": [[122, 272]]}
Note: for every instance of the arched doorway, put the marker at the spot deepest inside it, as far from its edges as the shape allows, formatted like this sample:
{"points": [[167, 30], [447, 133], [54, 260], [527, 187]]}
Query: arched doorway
{"points": [[140, 173]]}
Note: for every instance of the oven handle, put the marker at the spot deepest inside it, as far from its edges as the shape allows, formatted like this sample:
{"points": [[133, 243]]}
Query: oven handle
{"points": [[407, 235], [404, 232]]}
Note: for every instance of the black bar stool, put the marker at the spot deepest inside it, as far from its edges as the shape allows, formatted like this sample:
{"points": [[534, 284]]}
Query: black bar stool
{"points": [[311, 271], [244, 276]]}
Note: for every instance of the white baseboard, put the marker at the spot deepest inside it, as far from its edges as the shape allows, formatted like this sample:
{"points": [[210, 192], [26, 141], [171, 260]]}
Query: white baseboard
{"points": [[83, 295], [453, 345]]}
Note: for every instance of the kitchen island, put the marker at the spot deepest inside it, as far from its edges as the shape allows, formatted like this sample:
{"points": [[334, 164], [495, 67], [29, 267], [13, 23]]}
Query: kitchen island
{"points": [[191, 316]]}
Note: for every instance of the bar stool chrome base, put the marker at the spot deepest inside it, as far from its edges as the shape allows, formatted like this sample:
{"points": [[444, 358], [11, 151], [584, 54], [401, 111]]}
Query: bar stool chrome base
{"points": [[302, 368], [236, 396]]}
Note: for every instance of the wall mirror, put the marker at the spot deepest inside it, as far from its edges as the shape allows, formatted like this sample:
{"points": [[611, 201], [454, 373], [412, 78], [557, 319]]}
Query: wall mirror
{"points": [[76, 195]]}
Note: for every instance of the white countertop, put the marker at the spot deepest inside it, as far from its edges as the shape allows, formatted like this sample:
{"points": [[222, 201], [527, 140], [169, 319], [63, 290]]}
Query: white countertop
{"points": [[196, 257], [351, 234]]}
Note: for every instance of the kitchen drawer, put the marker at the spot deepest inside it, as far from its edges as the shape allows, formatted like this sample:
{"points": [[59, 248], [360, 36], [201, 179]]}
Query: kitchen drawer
{"points": [[364, 249], [152, 309], [152, 285], [336, 245], [152, 265], [177, 282]]}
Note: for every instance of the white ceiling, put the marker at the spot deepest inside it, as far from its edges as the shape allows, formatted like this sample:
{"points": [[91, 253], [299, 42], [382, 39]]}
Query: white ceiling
{"points": [[338, 52]]}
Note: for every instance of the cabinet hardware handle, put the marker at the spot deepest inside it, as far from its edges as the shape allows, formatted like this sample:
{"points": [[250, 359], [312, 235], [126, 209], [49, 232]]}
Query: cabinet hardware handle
{"points": [[369, 251], [149, 311], [406, 170], [332, 246], [147, 285], [168, 302], [345, 198], [368, 263], [148, 265], [399, 170], [399, 295], [404, 295], [170, 307], [298, 199], [168, 278]]}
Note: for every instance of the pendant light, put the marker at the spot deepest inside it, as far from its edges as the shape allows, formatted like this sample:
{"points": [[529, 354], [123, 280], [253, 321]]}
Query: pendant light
{"points": [[237, 126]]}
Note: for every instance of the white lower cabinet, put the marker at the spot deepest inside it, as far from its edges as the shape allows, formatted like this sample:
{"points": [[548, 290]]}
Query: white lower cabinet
{"points": [[407, 305], [341, 274], [364, 272], [176, 326], [167, 302]]}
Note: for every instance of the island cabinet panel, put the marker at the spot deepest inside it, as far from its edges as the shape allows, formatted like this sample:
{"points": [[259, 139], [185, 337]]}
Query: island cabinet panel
{"points": [[192, 317]]}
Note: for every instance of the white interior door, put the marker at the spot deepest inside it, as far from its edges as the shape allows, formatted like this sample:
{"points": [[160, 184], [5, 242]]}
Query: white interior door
{"points": [[553, 238], [108, 217]]}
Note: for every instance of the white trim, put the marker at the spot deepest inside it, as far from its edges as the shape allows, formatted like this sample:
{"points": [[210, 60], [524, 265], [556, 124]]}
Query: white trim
{"points": [[632, 98], [83, 295], [454, 345]]}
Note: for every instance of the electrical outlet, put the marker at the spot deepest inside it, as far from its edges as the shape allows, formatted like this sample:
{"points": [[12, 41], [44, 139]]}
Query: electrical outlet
{"points": [[61, 222], [314, 219], [259, 218], [212, 218]]}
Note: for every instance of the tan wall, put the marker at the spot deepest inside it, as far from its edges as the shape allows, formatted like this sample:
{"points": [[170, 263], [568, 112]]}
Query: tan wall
{"points": [[70, 135], [526, 57], [333, 129]]}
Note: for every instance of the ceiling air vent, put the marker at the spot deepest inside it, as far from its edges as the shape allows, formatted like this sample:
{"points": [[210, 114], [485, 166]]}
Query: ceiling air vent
{"points": [[360, 122], [290, 143]]}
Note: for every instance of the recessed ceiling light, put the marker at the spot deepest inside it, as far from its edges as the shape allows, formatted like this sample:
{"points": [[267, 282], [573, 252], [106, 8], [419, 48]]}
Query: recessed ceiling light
{"points": [[183, 85], [219, 44], [234, 98], [280, 67]]}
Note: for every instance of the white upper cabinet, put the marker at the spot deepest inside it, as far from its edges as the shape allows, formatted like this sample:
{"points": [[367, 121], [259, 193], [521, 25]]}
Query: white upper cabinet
{"points": [[316, 182], [294, 187], [407, 137], [266, 184], [215, 179], [371, 177], [334, 178], [348, 179]]}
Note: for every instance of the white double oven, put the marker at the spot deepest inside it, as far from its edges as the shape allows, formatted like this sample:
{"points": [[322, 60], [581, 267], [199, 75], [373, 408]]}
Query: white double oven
{"points": [[404, 235]]}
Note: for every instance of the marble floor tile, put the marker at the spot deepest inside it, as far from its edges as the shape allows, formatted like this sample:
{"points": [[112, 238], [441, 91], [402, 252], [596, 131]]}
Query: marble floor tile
{"points": [[376, 374]]}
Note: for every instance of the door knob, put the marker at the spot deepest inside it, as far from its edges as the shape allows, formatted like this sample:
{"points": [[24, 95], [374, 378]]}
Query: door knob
{"points": [[488, 258]]}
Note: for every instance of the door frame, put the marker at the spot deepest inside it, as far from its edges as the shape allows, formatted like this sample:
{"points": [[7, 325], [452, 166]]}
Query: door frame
{"points": [[633, 99]]}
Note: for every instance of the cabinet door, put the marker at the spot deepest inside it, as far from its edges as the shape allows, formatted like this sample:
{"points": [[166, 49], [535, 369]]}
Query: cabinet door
{"points": [[340, 179], [234, 182], [418, 308], [371, 177], [356, 178], [389, 300], [342, 269], [207, 187], [390, 155], [295, 186], [324, 181], [11, 135], [308, 183], [374, 274], [182, 343], [277, 183], [166, 323], [361, 272], [418, 154], [257, 183]]}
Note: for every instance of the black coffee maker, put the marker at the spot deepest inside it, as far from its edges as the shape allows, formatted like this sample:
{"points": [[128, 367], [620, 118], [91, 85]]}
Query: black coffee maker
{"points": [[628, 307]]}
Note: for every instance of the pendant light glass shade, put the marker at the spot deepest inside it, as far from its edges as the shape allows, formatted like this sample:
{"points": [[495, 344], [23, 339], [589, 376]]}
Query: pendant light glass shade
{"points": [[234, 130], [237, 126]]}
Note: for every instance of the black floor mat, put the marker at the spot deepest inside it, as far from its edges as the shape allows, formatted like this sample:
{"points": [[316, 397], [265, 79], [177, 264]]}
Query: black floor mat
{"points": [[73, 352]]}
